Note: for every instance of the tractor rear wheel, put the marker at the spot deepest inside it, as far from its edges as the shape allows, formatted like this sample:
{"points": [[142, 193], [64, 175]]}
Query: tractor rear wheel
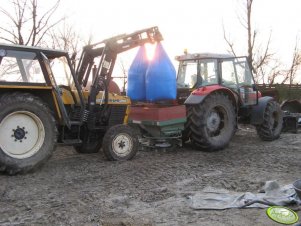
{"points": [[271, 127], [120, 143], [28, 133], [212, 122]]}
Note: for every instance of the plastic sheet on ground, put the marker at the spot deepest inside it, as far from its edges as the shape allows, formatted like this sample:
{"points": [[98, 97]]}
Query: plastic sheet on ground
{"points": [[219, 199]]}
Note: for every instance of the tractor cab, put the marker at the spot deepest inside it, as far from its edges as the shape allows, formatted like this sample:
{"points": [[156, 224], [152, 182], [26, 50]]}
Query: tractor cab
{"points": [[201, 70], [46, 73]]}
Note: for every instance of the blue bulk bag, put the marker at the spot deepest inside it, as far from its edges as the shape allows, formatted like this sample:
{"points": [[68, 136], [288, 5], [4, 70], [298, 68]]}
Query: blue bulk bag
{"points": [[136, 76], [161, 77]]}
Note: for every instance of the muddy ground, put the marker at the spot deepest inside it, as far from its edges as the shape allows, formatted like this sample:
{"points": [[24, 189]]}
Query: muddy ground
{"points": [[152, 189]]}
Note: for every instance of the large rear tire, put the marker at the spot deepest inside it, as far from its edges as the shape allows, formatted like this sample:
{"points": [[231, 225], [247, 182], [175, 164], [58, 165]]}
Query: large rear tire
{"points": [[28, 133], [271, 127], [212, 122], [120, 143]]}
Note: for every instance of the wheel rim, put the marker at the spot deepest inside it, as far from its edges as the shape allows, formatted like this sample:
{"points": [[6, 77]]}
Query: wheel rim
{"points": [[216, 121], [122, 144], [22, 134]]}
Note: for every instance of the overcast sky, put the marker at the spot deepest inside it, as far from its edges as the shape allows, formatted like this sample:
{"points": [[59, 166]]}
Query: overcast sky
{"points": [[192, 24], [196, 25]]}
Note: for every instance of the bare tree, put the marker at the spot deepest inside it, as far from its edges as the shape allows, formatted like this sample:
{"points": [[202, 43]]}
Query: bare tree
{"points": [[259, 55], [290, 74], [65, 37], [124, 71], [263, 62], [26, 23]]}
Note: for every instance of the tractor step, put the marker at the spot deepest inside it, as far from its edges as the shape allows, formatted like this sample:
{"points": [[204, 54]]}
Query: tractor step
{"points": [[72, 142], [75, 123]]}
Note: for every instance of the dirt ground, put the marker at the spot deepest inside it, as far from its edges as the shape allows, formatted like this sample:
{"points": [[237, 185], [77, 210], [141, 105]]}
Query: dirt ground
{"points": [[152, 189]]}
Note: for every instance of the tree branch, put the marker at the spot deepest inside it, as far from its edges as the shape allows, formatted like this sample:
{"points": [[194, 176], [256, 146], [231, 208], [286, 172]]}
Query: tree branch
{"points": [[44, 32], [9, 32], [8, 40], [230, 44]]}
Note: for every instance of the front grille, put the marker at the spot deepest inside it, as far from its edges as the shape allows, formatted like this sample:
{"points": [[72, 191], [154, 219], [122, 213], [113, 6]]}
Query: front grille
{"points": [[117, 115]]}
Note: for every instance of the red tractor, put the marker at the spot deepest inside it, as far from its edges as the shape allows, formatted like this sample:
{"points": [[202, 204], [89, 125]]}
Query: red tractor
{"points": [[219, 91]]}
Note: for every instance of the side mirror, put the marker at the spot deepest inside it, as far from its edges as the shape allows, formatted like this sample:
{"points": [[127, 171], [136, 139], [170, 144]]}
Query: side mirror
{"points": [[254, 87]]}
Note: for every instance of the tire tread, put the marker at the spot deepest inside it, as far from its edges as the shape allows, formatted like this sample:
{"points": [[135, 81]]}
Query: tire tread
{"points": [[196, 122]]}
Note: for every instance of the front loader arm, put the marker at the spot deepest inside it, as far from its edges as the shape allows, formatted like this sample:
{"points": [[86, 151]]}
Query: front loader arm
{"points": [[124, 42], [107, 51]]}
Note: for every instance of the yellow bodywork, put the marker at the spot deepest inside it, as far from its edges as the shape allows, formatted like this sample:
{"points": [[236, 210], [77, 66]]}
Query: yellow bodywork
{"points": [[112, 98], [67, 97], [36, 89], [24, 87]]}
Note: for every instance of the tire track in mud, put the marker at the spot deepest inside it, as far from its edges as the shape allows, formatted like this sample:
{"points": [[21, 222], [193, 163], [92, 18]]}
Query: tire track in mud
{"points": [[149, 190]]}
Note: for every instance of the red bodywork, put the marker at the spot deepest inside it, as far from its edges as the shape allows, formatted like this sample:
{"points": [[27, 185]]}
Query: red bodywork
{"points": [[154, 112], [203, 91]]}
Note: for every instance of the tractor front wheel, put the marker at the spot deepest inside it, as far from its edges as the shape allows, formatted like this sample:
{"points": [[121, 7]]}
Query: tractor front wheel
{"points": [[271, 127], [120, 143], [212, 122]]}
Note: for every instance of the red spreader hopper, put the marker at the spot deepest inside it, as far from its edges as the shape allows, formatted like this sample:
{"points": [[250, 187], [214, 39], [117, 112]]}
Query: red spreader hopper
{"points": [[159, 121]]}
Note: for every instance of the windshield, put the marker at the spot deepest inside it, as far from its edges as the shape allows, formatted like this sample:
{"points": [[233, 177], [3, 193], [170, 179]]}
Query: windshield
{"points": [[187, 74], [61, 71], [196, 73]]}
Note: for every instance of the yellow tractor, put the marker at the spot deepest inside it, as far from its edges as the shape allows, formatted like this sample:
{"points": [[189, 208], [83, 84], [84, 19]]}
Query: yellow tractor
{"points": [[44, 102]]}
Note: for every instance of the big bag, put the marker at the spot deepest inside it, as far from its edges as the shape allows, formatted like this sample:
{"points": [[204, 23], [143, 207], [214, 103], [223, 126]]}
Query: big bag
{"points": [[136, 76], [160, 78]]}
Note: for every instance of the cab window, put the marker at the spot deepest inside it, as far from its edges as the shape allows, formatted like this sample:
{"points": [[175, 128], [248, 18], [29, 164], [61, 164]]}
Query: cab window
{"points": [[18, 66], [229, 74], [61, 71]]}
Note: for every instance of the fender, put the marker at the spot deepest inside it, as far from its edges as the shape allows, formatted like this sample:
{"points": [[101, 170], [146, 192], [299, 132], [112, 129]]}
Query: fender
{"points": [[258, 110], [293, 106], [198, 95]]}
